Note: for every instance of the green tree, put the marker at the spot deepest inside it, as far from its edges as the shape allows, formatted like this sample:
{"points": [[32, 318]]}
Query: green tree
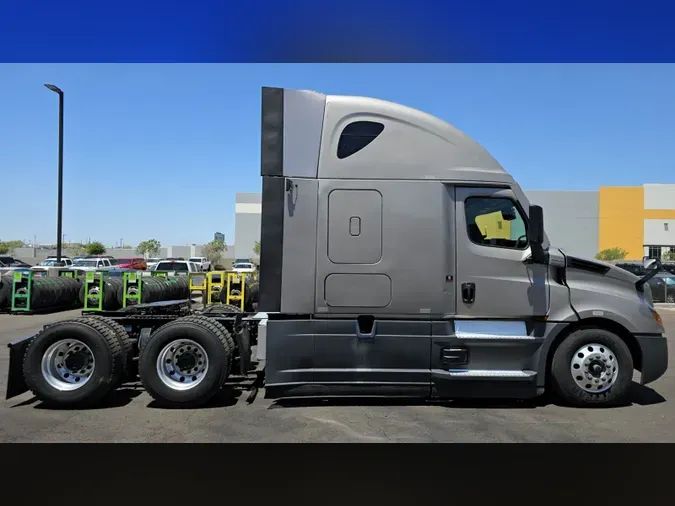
{"points": [[610, 254], [214, 250], [670, 256], [256, 248], [8, 247], [149, 248], [95, 248]]}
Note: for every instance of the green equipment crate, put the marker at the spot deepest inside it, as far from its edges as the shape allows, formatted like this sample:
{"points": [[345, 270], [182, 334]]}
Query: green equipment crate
{"points": [[21, 301], [93, 279], [132, 279]]}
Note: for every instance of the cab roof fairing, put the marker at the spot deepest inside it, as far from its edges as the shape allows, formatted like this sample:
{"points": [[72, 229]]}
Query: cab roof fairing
{"points": [[306, 127]]}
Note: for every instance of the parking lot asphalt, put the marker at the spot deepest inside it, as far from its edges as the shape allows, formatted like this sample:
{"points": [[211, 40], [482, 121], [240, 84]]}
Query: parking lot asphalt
{"points": [[129, 416]]}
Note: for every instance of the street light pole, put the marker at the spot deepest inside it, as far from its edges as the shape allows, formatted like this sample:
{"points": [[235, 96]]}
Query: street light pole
{"points": [[59, 219]]}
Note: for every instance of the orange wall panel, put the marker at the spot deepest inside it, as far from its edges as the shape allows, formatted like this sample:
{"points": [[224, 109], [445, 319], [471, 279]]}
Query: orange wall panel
{"points": [[621, 219]]}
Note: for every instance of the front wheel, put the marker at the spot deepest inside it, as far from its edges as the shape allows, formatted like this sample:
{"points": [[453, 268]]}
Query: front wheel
{"points": [[592, 368]]}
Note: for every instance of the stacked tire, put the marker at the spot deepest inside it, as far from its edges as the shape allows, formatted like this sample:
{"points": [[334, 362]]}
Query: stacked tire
{"points": [[251, 294], [5, 291], [48, 293], [178, 288], [111, 287], [157, 289]]}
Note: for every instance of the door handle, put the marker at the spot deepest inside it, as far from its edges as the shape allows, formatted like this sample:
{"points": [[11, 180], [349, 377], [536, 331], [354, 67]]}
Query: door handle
{"points": [[468, 292]]}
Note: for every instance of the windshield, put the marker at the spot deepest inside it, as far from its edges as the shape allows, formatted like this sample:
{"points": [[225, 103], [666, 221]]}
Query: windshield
{"points": [[85, 263], [670, 281], [125, 260], [196, 260], [242, 266], [172, 266]]}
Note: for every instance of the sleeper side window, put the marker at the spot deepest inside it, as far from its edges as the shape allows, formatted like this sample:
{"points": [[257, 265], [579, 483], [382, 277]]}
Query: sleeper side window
{"points": [[495, 221], [357, 136]]}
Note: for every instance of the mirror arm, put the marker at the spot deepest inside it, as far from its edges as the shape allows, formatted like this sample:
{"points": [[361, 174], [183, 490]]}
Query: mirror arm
{"points": [[539, 255], [652, 272]]}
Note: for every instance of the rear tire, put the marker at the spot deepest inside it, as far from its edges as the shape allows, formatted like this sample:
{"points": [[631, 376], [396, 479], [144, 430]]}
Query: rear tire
{"points": [[222, 309], [126, 346], [186, 362], [96, 359], [592, 368]]}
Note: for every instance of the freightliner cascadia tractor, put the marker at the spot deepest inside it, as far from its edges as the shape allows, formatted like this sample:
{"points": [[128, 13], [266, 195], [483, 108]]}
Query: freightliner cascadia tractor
{"points": [[398, 258]]}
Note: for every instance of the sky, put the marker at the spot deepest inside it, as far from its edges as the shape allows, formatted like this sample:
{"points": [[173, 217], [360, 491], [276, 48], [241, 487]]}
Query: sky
{"points": [[159, 151]]}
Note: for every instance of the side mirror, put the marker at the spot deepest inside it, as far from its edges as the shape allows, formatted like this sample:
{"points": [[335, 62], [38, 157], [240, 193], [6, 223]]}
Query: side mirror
{"points": [[651, 263], [536, 225], [653, 266], [536, 235]]}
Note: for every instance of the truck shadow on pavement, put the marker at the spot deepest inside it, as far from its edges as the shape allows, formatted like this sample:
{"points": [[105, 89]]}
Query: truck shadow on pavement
{"points": [[227, 397], [115, 399], [639, 395], [230, 395]]}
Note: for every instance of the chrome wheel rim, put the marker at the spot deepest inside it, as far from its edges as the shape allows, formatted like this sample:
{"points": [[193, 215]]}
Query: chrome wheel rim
{"points": [[68, 365], [182, 364], [594, 368], [93, 293]]}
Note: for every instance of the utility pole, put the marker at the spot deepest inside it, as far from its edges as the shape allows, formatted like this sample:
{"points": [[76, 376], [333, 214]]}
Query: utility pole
{"points": [[59, 219]]}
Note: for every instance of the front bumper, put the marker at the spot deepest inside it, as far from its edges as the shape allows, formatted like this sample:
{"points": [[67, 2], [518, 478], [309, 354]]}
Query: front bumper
{"points": [[654, 353]]}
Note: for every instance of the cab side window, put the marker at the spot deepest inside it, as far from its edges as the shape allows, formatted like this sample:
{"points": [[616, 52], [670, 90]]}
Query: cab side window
{"points": [[495, 221]]}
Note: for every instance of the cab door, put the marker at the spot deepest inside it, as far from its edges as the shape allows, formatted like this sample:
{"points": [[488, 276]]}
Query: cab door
{"points": [[494, 276]]}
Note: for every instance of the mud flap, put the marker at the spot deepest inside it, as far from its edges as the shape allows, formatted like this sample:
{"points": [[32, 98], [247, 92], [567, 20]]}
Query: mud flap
{"points": [[16, 385], [654, 351]]}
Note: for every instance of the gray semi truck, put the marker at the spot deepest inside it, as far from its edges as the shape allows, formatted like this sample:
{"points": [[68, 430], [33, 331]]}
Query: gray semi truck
{"points": [[398, 258]]}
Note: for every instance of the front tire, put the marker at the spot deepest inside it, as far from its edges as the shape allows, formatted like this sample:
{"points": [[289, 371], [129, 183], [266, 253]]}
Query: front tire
{"points": [[592, 368]]}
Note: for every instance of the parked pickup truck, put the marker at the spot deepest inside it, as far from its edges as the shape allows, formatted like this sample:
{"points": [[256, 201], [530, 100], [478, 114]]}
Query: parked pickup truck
{"points": [[51, 262], [244, 267], [135, 263], [176, 266], [150, 262], [92, 264], [11, 262], [202, 262]]}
